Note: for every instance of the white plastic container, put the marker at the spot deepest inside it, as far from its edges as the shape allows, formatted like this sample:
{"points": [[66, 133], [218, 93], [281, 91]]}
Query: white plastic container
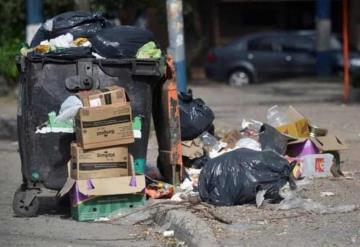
{"points": [[316, 165]]}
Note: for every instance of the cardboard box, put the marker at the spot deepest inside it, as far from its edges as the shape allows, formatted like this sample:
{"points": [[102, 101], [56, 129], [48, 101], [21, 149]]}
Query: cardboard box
{"points": [[104, 126], [104, 186], [299, 126], [94, 198], [314, 145], [100, 97], [99, 163]]}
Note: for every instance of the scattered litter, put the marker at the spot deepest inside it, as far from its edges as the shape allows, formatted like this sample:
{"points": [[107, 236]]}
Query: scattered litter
{"points": [[295, 201], [234, 177], [168, 233], [101, 219], [327, 193], [195, 116]]}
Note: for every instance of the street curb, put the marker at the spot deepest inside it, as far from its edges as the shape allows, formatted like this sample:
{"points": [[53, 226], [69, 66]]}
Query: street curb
{"points": [[187, 227], [8, 129]]}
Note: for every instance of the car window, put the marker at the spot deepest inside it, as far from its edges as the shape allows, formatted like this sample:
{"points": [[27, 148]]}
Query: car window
{"points": [[297, 43], [260, 44]]}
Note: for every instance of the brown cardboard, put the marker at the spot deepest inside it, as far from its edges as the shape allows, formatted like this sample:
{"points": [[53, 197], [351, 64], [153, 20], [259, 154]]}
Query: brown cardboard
{"points": [[192, 149], [107, 96], [299, 126], [329, 143], [324, 143], [99, 163], [106, 186], [104, 126]]}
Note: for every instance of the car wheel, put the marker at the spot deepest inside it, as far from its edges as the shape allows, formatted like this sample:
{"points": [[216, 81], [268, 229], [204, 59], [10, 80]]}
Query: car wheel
{"points": [[239, 78]]}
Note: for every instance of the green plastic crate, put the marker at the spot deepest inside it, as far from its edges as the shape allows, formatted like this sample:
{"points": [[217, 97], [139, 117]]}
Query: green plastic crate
{"points": [[103, 206]]}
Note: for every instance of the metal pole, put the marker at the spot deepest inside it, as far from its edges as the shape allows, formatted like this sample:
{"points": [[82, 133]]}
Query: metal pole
{"points": [[34, 17], [346, 50], [323, 34], [177, 40]]}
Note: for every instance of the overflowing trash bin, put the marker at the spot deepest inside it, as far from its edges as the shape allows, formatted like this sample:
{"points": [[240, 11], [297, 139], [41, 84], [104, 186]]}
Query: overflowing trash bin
{"points": [[61, 69], [86, 95]]}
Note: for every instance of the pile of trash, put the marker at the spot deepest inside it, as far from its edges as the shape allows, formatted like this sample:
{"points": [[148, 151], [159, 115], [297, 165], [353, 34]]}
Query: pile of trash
{"points": [[253, 163], [80, 34]]}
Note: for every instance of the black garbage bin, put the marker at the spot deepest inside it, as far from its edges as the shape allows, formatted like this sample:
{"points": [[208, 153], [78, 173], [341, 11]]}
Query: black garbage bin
{"points": [[44, 85]]}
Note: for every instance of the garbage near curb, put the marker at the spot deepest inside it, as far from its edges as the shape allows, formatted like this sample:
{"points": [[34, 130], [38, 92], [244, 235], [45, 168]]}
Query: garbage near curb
{"points": [[195, 116], [271, 139], [156, 189], [316, 165], [193, 149], [104, 125], [99, 163], [102, 180], [94, 198], [315, 145], [291, 122], [235, 177]]}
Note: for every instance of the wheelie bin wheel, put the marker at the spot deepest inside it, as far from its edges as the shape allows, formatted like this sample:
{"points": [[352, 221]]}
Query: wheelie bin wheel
{"points": [[19, 204]]}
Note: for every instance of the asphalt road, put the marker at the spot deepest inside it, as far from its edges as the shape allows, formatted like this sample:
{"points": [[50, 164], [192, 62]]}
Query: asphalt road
{"points": [[53, 226]]}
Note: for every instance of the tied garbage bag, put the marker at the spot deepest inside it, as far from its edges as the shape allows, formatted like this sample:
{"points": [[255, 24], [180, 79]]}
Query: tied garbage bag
{"points": [[120, 41], [271, 139], [235, 177], [195, 116], [78, 23]]}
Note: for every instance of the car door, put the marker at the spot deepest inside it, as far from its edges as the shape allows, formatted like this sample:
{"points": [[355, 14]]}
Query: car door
{"points": [[266, 56], [300, 54]]}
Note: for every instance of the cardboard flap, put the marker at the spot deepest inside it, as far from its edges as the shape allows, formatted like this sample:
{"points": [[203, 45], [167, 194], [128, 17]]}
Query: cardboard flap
{"points": [[67, 187], [111, 186], [298, 141], [329, 143]]}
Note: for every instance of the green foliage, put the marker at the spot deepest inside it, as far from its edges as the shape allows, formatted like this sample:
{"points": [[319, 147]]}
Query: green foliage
{"points": [[8, 51], [12, 26]]}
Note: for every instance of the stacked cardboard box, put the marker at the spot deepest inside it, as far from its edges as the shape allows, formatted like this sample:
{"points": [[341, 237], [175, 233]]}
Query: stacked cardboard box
{"points": [[101, 176]]}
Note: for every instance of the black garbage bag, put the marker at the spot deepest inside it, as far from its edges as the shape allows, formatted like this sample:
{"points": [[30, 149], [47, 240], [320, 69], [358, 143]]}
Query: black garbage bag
{"points": [[120, 41], [235, 177], [196, 163], [78, 23], [195, 116], [271, 139]]}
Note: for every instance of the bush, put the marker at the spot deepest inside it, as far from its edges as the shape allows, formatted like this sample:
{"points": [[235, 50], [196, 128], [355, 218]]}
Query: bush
{"points": [[8, 52]]}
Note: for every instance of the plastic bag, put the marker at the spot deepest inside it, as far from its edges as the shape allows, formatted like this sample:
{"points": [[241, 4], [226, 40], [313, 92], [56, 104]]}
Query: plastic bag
{"points": [[235, 177], [69, 108], [120, 41], [195, 116], [78, 23], [271, 139]]}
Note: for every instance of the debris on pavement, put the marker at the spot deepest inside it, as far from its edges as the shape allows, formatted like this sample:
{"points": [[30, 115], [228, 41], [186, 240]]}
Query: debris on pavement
{"points": [[326, 193], [195, 116], [168, 233], [235, 177]]}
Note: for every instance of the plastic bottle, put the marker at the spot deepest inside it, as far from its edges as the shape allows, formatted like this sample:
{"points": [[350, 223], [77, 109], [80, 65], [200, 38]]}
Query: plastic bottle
{"points": [[275, 117], [316, 165]]}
